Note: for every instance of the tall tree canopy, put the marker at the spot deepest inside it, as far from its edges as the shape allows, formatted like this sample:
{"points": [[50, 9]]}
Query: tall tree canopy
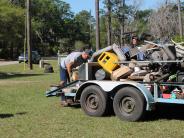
{"points": [[11, 27], [55, 27]]}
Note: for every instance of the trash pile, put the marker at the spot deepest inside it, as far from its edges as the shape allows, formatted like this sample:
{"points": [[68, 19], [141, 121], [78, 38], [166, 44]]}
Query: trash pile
{"points": [[179, 48], [149, 63]]}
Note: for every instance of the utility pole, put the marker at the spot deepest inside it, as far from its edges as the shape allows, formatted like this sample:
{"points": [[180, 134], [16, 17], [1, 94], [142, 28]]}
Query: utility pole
{"points": [[29, 46], [122, 6], [109, 22], [180, 19], [97, 25], [25, 38]]}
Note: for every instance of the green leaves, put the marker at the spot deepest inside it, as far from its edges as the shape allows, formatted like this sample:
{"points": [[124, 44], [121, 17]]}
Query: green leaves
{"points": [[11, 21]]}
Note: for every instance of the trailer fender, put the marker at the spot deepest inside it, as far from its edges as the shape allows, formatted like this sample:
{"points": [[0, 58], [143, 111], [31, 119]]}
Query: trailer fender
{"points": [[114, 86]]}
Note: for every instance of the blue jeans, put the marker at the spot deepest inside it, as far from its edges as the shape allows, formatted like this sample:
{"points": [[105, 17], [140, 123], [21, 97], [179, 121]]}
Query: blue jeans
{"points": [[64, 75]]}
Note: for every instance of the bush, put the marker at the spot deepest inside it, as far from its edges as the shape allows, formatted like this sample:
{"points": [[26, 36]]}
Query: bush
{"points": [[178, 39]]}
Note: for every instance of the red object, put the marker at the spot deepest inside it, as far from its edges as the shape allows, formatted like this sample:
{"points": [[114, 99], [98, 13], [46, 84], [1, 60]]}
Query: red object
{"points": [[166, 96]]}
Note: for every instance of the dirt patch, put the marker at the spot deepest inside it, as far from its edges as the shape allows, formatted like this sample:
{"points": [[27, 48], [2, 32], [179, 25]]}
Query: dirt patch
{"points": [[4, 63], [16, 82]]}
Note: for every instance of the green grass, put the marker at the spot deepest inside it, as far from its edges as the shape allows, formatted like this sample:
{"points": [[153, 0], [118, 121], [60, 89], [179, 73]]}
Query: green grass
{"points": [[26, 113]]}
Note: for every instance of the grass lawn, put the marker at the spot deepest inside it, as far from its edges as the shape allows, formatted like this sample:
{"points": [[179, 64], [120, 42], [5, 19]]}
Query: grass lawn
{"points": [[25, 112]]}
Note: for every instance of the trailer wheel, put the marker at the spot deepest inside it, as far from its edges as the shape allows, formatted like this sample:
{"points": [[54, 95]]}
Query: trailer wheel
{"points": [[129, 104], [94, 101]]}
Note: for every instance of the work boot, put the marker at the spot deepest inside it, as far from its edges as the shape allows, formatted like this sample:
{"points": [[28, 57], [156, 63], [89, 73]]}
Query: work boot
{"points": [[64, 104], [69, 101], [61, 83]]}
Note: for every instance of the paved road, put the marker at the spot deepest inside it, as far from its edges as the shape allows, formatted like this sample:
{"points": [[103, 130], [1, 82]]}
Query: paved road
{"points": [[4, 63]]}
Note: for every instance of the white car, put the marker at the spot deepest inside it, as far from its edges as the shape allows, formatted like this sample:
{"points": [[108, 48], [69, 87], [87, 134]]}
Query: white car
{"points": [[35, 57]]}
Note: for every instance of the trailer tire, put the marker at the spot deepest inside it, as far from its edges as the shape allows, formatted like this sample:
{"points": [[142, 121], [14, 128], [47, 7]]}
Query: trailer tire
{"points": [[94, 101], [129, 104]]}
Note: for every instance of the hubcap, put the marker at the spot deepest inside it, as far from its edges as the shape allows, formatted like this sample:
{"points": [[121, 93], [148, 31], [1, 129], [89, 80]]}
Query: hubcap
{"points": [[92, 102], [127, 105]]}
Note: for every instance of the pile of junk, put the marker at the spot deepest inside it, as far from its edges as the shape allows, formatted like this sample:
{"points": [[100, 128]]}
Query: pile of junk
{"points": [[148, 63]]}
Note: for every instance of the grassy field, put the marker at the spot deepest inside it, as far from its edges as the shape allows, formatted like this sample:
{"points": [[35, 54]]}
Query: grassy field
{"points": [[26, 113]]}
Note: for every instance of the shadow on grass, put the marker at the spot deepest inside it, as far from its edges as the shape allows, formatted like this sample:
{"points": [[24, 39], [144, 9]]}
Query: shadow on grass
{"points": [[3, 116], [21, 113], [75, 106], [108, 113], [166, 111], [163, 111], [6, 75]]}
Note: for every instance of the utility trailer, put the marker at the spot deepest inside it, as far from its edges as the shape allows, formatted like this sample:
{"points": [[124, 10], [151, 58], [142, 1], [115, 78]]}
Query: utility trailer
{"points": [[129, 99]]}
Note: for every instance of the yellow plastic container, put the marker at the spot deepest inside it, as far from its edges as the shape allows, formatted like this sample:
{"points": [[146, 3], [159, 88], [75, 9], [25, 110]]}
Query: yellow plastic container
{"points": [[107, 61]]}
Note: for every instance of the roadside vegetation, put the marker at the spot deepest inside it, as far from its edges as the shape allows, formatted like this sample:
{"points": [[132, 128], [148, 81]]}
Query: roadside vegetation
{"points": [[55, 26]]}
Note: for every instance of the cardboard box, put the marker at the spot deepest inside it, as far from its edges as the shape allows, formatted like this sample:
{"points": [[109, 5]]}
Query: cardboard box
{"points": [[121, 73]]}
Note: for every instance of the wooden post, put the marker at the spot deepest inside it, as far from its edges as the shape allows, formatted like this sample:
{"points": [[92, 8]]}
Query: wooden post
{"points": [[29, 35], [97, 25]]}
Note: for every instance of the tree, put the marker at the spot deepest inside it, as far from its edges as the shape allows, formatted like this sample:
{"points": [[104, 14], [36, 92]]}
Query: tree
{"points": [[163, 23], [12, 29], [140, 22], [97, 25], [50, 21], [108, 15], [180, 19], [79, 45], [85, 23]]}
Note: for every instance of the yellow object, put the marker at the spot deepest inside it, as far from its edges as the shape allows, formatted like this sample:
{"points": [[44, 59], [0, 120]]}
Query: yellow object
{"points": [[107, 61], [75, 75]]}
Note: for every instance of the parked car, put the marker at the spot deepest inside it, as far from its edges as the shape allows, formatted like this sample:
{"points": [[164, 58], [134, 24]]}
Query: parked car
{"points": [[35, 57]]}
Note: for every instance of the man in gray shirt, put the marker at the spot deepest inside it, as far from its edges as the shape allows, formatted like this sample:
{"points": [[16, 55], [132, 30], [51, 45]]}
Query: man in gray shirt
{"points": [[73, 60]]}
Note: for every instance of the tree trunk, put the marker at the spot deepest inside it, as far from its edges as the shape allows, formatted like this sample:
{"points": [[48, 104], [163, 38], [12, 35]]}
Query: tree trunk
{"points": [[11, 50], [109, 22], [97, 25], [180, 19], [122, 23]]}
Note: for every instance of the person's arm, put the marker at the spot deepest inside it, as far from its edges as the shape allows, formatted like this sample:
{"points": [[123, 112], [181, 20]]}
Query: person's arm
{"points": [[69, 68]]}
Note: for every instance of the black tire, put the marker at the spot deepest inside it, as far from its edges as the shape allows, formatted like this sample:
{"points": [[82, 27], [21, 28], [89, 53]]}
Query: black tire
{"points": [[129, 104], [94, 101]]}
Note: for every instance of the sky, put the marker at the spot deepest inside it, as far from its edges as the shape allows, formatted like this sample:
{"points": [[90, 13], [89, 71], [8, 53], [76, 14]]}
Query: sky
{"points": [[78, 5]]}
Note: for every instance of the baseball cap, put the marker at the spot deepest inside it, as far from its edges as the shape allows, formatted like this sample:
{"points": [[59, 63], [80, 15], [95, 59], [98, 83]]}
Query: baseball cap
{"points": [[134, 37], [88, 51]]}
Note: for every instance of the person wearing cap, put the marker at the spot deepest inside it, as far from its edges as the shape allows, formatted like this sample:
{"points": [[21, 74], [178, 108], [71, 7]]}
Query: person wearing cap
{"points": [[134, 42], [73, 60], [132, 52]]}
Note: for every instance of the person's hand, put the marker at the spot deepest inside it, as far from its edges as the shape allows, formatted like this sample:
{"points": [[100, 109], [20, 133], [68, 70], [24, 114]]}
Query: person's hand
{"points": [[77, 68], [70, 77]]}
